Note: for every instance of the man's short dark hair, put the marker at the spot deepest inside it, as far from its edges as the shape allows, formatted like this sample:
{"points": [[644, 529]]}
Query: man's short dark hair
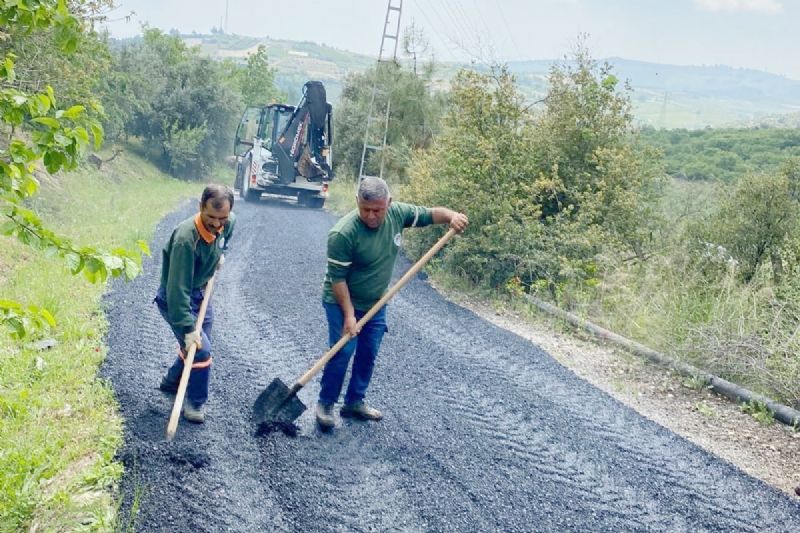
{"points": [[217, 195]]}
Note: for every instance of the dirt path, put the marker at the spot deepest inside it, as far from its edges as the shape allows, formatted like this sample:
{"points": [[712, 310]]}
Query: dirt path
{"points": [[483, 430]]}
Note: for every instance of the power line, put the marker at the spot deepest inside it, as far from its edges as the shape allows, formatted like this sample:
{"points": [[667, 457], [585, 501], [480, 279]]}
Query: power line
{"points": [[508, 30], [460, 24]]}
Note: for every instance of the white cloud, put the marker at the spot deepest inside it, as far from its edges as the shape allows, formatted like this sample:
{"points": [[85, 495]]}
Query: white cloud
{"points": [[761, 6]]}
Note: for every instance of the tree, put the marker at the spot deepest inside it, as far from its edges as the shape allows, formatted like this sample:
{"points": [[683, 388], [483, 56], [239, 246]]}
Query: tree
{"points": [[599, 173], [753, 220], [548, 191], [415, 116], [257, 80], [480, 164], [182, 105], [415, 46], [36, 131]]}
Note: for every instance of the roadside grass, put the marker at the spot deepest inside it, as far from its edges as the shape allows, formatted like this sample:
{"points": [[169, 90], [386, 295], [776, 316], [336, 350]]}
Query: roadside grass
{"points": [[59, 427], [742, 332], [341, 194]]}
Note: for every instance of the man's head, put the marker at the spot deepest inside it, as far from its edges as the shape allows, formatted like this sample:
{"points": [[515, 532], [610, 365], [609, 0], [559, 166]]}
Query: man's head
{"points": [[373, 200], [215, 206]]}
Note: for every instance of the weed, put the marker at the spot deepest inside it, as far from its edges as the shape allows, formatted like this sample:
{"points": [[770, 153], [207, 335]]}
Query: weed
{"points": [[694, 383], [706, 410], [759, 411]]}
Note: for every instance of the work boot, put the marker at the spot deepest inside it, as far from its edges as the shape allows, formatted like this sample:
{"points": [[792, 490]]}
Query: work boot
{"points": [[194, 414], [325, 416], [168, 386], [360, 410]]}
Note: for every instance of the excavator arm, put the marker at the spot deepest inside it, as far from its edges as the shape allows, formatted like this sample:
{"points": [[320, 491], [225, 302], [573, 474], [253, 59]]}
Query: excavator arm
{"points": [[304, 143]]}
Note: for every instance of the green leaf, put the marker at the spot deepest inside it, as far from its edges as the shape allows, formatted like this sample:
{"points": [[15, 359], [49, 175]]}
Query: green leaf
{"points": [[113, 262], [9, 67], [48, 317], [74, 112], [143, 247], [97, 133], [62, 140], [17, 327], [48, 121], [132, 269], [10, 304], [53, 161], [93, 264], [82, 135], [74, 262], [8, 228], [43, 103]]}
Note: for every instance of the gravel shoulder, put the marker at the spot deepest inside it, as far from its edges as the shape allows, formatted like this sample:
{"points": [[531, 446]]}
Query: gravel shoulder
{"points": [[767, 452]]}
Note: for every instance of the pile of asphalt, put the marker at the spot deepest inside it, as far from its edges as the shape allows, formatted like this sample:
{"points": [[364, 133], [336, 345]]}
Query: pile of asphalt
{"points": [[483, 431]]}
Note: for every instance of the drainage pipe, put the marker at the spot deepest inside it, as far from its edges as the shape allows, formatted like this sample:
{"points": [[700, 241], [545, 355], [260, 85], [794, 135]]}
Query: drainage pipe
{"points": [[732, 391]]}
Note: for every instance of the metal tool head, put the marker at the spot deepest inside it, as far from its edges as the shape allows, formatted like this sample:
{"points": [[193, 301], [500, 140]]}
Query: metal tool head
{"points": [[277, 405]]}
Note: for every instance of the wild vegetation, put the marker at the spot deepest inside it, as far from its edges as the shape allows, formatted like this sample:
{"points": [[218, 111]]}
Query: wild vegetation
{"points": [[570, 201], [723, 154]]}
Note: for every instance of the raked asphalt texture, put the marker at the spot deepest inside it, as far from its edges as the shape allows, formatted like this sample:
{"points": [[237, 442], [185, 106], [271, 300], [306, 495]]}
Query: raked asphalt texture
{"points": [[482, 430]]}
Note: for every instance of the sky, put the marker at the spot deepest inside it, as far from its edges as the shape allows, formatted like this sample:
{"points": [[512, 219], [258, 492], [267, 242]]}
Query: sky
{"points": [[757, 34]]}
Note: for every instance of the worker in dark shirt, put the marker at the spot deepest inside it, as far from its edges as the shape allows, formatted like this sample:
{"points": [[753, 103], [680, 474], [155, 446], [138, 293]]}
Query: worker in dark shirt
{"points": [[192, 254], [362, 248]]}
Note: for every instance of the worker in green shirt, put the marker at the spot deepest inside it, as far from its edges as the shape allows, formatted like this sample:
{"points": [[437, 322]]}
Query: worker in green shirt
{"points": [[189, 259], [362, 248]]}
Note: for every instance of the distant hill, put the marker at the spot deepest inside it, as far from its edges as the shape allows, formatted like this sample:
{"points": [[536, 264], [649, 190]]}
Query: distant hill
{"points": [[672, 96], [664, 96], [295, 61]]}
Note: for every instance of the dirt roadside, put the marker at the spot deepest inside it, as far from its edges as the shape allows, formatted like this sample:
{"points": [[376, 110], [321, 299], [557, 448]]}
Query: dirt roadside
{"points": [[767, 452]]}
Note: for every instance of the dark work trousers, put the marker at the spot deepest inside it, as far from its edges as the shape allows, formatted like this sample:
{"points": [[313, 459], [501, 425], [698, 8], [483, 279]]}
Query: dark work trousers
{"points": [[197, 391]]}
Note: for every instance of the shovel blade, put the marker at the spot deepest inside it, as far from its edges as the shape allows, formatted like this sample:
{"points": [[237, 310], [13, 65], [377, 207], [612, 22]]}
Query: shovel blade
{"points": [[277, 404]]}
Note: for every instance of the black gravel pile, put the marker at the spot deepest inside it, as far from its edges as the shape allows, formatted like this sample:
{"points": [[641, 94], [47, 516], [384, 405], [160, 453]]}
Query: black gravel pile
{"points": [[482, 431]]}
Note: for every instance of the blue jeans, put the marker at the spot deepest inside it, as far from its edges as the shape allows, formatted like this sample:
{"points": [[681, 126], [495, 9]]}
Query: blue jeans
{"points": [[197, 390], [365, 346]]}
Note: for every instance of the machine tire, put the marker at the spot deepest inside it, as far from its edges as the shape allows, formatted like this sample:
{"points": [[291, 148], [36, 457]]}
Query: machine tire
{"points": [[245, 191], [237, 181], [308, 199], [252, 196], [316, 203]]}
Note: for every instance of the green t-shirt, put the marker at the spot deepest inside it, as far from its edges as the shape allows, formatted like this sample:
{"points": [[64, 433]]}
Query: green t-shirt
{"points": [[365, 257], [188, 262]]}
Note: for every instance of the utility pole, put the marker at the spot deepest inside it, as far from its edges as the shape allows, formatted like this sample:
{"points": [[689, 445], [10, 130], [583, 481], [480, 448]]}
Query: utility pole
{"points": [[225, 28], [379, 108], [662, 118]]}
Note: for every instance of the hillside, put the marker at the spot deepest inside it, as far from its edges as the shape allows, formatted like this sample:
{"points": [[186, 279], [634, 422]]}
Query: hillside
{"points": [[664, 96]]}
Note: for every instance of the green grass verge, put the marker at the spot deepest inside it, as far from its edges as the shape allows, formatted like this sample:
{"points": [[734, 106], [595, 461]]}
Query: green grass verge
{"points": [[341, 194], [59, 426]]}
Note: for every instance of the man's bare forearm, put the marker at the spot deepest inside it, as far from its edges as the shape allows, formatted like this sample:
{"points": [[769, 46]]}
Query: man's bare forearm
{"points": [[443, 215]]}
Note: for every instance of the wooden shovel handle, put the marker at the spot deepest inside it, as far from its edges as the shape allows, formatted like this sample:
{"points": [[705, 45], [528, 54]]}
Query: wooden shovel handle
{"points": [[172, 426], [377, 307]]}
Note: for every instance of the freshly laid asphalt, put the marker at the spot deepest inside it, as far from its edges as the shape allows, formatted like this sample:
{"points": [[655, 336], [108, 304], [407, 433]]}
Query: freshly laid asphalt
{"points": [[483, 431]]}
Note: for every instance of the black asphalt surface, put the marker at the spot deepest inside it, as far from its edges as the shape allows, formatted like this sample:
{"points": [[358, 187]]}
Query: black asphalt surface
{"points": [[483, 431]]}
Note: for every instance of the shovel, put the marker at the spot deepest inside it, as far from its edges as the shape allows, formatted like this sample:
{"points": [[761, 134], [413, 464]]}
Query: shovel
{"points": [[172, 427], [278, 405]]}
